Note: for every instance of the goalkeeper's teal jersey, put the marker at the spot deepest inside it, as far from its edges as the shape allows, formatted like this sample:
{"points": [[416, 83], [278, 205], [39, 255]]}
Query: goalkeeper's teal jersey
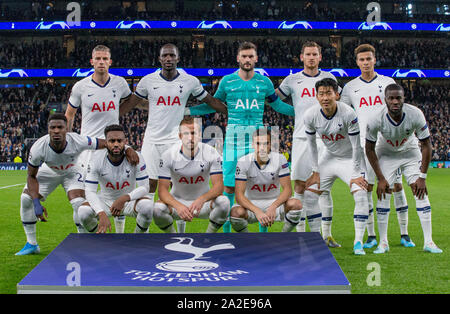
{"points": [[245, 99]]}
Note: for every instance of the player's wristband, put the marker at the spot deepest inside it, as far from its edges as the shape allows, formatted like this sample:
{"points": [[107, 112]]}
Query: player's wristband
{"points": [[423, 175], [38, 209]]}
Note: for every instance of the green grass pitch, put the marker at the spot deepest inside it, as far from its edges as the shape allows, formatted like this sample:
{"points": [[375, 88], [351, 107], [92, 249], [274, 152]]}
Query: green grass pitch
{"points": [[402, 270]]}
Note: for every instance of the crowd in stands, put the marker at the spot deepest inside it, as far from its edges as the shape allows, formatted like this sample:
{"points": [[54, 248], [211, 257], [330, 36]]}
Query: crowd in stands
{"points": [[272, 52], [23, 116], [215, 10]]}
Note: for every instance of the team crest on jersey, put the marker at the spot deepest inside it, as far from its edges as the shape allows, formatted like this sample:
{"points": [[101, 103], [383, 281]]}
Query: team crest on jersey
{"points": [[161, 163]]}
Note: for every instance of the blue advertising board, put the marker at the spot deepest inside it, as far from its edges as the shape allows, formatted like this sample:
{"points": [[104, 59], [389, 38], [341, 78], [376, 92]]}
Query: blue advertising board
{"points": [[189, 263], [214, 72], [222, 24]]}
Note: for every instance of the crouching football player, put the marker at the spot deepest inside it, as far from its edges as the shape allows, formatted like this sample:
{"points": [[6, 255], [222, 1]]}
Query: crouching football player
{"points": [[259, 177], [190, 166], [124, 188]]}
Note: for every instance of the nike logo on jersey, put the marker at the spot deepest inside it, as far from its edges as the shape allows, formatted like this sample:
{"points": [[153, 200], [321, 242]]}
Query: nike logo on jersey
{"points": [[156, 87], [357, 90], [90, 95]]}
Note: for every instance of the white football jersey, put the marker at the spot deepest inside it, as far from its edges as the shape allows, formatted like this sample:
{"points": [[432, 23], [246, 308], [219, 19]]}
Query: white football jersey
{"points": [[392, 137], [262, 183], [335, 131], [301, 88], [367, 98], [190, 177], [60, 162], [115, 180], [99, 104], [167, 101]]}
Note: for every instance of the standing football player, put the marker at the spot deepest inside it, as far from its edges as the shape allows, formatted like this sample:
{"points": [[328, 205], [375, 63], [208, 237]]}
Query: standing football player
{"points": [[366, 95], [301, 88], [391, 144], [98, 96], [337, 126], [190, 166], [167, 92], [259, 178], [118, 193]]}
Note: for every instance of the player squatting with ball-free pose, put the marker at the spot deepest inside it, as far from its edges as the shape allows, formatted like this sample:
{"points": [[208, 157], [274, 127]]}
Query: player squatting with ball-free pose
{"points": [[259, 177], [123, 187], [190, 166], [337, 126], [392, 145]]}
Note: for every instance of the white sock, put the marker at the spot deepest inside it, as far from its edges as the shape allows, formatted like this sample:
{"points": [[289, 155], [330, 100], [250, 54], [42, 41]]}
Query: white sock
{"points": [[162, 218], [401, 207], [144, 209], [360, 215], [219, 213], [371, 221], [313, 213], [291, 220], [28, 218], [76, 203], [424, 212], [88, 218], [383, 209], [302, 223], [119, 223], [326, 206], [239, 224], [181, 226]]}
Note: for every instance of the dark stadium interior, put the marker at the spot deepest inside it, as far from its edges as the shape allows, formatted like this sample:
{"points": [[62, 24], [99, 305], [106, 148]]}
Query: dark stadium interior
{"points": [[25, 104]]}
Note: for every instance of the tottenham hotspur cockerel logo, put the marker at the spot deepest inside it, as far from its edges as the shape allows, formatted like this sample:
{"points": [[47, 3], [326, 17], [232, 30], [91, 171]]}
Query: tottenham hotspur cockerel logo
{"points": [[198, 262]]}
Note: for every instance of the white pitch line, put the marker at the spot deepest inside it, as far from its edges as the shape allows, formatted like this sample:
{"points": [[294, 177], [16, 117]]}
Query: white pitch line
{"points": [[10, 186]]}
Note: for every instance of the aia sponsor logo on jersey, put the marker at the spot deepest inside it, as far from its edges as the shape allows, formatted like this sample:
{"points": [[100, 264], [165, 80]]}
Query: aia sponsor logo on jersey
{"points": [[117, 185], [333, 138], [263, 187], [62, 167], [397, 143], [369, 101], [103, 107], [191, 180], [170, 101]]}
